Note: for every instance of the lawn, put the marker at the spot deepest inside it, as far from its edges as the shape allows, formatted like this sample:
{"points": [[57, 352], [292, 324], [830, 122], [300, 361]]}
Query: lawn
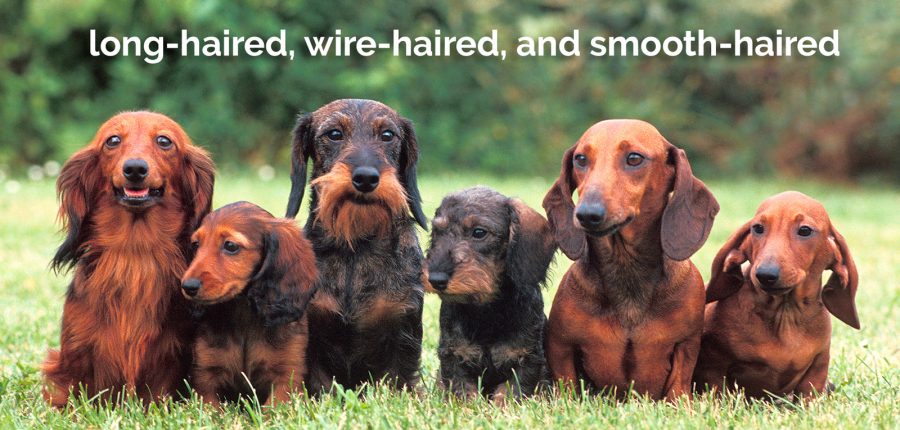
{"points": [[864, 363]]}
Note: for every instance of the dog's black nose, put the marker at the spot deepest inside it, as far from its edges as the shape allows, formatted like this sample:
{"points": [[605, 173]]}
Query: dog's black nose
{"points": [[767, 275], [365, 179], [135, 169], [438, 280], [191, 286], [590, 215]]}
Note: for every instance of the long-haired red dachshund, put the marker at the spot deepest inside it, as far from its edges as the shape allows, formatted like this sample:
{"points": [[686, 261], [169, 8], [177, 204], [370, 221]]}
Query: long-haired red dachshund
{"points": [[129, 202], [253, 274]]}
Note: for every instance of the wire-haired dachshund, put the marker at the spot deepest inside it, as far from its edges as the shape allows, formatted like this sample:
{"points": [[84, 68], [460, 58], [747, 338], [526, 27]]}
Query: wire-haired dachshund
{"points": [[488, 260], [629, 312], [365, 320], [253, 275], [767, 328], [129, 201]]}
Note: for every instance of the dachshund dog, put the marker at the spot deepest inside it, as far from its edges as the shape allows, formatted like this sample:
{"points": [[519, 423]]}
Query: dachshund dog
{"points": [[129, 202], [253, 274], [629, 312], [488, 260], [767, 328], [365, 320]]}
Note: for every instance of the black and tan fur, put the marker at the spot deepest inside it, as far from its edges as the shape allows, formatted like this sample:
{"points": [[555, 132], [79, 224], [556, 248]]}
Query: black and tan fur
{"points": [[252, 279], [488, 260], [365, 321]]}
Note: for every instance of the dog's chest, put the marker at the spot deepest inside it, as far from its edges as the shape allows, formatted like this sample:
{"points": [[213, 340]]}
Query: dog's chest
{"points": [[364, 288], [779, 359]]}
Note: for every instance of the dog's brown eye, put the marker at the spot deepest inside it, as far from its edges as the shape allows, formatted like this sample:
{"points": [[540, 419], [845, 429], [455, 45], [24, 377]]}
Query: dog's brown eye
{"points": [[387, 136], [580, 160], [230, 247], [634, 159], [804, 231], [195, 245], [334, 135], [479, 233], [758, 228], [163, 142], [113, 141]]}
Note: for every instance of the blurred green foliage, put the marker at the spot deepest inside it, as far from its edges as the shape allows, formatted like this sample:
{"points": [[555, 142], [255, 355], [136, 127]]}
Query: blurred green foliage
{"points": [[833, 117]]}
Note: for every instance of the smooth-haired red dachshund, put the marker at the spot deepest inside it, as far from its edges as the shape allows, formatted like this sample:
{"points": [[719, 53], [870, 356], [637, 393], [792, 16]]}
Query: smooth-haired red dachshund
{"points": [[129, 202], [628, 314], [253, 276], [767, 329]]}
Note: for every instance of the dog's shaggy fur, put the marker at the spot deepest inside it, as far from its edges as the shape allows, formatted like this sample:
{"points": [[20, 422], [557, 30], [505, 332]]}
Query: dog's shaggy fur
{"points": [[365, 321], [488, 260]]}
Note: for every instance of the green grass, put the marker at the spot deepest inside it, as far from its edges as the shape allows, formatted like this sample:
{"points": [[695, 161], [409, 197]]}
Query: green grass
{"points": [[864, 363]]}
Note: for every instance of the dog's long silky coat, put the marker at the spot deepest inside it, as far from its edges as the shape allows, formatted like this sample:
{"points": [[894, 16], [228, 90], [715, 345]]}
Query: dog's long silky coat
{"points": [[252, 277], [129, 202]]}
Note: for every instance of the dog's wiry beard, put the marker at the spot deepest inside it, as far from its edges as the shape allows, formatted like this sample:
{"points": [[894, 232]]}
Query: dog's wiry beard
{"points": [[472, 282], [349, 215]]}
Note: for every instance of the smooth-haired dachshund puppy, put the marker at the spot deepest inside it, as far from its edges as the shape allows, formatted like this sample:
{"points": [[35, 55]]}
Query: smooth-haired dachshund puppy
{"points": [[129, 202], [488, 261], [767, 328], [629, 312], [365, 320], [253, 275]]}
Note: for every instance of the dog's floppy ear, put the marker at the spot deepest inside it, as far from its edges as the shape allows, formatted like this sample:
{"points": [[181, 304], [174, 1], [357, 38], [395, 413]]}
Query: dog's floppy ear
{"points": [[284, 283], [197, 185], [561, 209], [75, 188], [531, 245], [726, 277], [301, 151], [409, 157], [839, 293], [689, 215]]}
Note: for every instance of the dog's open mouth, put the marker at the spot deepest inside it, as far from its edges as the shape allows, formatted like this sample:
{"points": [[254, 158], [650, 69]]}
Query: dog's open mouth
{"points": [[608, 231], [137, 197]]}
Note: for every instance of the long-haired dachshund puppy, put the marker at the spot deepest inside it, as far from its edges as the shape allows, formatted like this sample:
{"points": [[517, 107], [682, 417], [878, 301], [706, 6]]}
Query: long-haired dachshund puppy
{"points": [[488, 259], [129, 201], [253, 275], [767, 327], [629, 312], [365, 320]]}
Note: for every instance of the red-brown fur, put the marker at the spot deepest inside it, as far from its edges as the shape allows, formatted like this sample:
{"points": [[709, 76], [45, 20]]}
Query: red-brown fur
{"points": [[350, 221], [629, 312], [253, 332], [125, 325], [774, 338]]}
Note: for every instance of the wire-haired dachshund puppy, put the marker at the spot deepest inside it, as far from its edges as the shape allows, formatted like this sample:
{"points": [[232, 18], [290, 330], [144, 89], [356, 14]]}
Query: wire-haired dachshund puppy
{"points": [[365, 320], [767, 327], [253, 274], [629, 312], [129, 202], [488, 261]]}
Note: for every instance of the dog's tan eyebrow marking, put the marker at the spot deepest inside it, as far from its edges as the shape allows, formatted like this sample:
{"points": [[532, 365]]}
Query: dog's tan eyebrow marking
{"points": [[328, 122], [440, 222], [381, 123], [473, 221], [236, 237]]}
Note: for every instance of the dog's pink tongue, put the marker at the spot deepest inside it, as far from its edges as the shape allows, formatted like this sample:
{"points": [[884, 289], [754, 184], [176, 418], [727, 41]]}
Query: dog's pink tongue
{"points": [[143, 192]]}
